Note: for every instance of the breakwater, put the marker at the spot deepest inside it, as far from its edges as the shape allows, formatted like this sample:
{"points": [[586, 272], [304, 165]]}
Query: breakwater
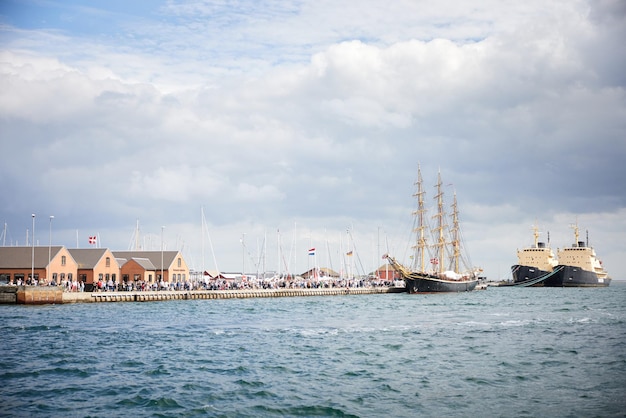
{"points": [[33, 295]]}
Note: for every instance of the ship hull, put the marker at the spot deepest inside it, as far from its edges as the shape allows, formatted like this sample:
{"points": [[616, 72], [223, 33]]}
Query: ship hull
{"points": [[428, 284], [572, 276], [523, 275]]}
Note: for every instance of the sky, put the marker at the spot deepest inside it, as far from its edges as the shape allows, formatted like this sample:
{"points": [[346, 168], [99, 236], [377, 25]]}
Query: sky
{"points": [[243, 133]]}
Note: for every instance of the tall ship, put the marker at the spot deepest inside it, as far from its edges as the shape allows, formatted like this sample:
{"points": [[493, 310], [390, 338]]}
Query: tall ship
{"points": [[447, 269], [579, 266], [536, 265]]}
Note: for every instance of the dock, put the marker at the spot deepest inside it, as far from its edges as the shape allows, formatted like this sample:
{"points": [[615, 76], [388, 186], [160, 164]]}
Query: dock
{"points": [[34, 295]]}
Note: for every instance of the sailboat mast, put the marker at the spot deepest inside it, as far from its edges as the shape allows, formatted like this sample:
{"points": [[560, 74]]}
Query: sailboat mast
{"points": [[441, 243], [137, 236], [456, 243], [419, 229], [202, 241]]}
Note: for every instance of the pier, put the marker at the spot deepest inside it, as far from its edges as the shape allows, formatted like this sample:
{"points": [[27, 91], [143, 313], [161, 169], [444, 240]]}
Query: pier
{"points": [[34, 295]]}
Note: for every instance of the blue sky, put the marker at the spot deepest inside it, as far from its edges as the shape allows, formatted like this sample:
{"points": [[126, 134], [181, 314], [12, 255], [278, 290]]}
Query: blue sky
{"points": [[310, 118]]}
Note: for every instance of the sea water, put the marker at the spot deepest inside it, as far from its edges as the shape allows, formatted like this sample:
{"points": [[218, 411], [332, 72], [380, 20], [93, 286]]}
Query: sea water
{"points": [[505, 352]]}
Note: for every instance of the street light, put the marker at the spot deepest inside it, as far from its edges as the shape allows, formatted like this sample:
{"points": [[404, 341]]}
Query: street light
{"points": [[162, 228], [50, 247], [32, 265], [243, 256]]}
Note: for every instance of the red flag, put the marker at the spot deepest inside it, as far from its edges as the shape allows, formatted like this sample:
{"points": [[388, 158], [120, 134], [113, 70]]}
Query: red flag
{"points": [[92, 239]]}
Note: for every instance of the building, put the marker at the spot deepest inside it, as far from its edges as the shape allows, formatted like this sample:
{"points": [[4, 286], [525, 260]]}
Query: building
{"points": [[321, 273], [57, 265], [386, 272], [147, 266], [96, 264], [52, 264]]}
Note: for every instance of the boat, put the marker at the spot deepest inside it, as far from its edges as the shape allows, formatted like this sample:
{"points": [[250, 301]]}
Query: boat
{"points": [[441, 276], [579, 266], [535, 265]]}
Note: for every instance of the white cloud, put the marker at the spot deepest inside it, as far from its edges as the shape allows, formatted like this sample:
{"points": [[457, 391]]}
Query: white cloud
{"points": [[291, 113]]}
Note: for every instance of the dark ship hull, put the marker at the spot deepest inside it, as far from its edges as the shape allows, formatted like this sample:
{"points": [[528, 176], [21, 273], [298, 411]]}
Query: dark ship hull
{"points": [[572, 276], [529, 276], [416, 283]]}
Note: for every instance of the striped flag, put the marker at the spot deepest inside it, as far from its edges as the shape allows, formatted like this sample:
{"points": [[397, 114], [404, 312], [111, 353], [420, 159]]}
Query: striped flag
{"points": [[312, 251]]}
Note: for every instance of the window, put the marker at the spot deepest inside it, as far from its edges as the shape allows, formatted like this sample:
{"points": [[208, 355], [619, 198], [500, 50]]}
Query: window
{"points": [[180, 262], [69, 276], [108, 262], [63, 260], [100, 276]]}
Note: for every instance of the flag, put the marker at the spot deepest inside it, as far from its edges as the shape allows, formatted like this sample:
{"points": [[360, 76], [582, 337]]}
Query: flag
{"points": [[92, 239], [312, 251], [349, 253], [434, 260]]}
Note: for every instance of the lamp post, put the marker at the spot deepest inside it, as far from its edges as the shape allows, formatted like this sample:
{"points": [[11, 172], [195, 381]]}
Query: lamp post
{"points": [[32, 264], [243, 256], [50, 247], [162, 228]]}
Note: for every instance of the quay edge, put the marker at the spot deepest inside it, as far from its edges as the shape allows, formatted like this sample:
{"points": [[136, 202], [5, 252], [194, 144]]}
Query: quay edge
{"points": [[39, 295]]}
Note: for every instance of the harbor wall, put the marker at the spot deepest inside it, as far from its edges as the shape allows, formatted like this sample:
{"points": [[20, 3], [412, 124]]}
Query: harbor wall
{"points": [[30, 295]]}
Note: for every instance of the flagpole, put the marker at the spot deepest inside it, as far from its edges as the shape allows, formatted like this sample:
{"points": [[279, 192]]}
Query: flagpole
{"points": [[48, 276], [32, 274]]}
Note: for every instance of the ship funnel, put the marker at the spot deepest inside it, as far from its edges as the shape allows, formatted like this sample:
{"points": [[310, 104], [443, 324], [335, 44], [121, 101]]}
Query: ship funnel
{"points": [[581, 243], [541, 245]]}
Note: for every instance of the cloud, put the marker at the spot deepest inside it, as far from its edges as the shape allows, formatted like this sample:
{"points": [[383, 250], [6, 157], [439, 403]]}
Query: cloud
{"points": [[289, 113]]}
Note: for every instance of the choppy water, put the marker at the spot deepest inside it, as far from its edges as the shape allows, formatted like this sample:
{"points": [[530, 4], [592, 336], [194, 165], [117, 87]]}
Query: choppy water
{"points": [[501, 352]]}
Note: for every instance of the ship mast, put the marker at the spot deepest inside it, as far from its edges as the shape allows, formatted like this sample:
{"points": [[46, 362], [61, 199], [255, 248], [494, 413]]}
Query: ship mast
{"points": [[536, 235], [441, 243], [575, 228], [456, 243], [419, 229]]}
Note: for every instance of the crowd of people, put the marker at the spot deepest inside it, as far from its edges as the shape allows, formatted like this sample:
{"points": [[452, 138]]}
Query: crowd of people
{"points": [[228, 284], [216, 284]]}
